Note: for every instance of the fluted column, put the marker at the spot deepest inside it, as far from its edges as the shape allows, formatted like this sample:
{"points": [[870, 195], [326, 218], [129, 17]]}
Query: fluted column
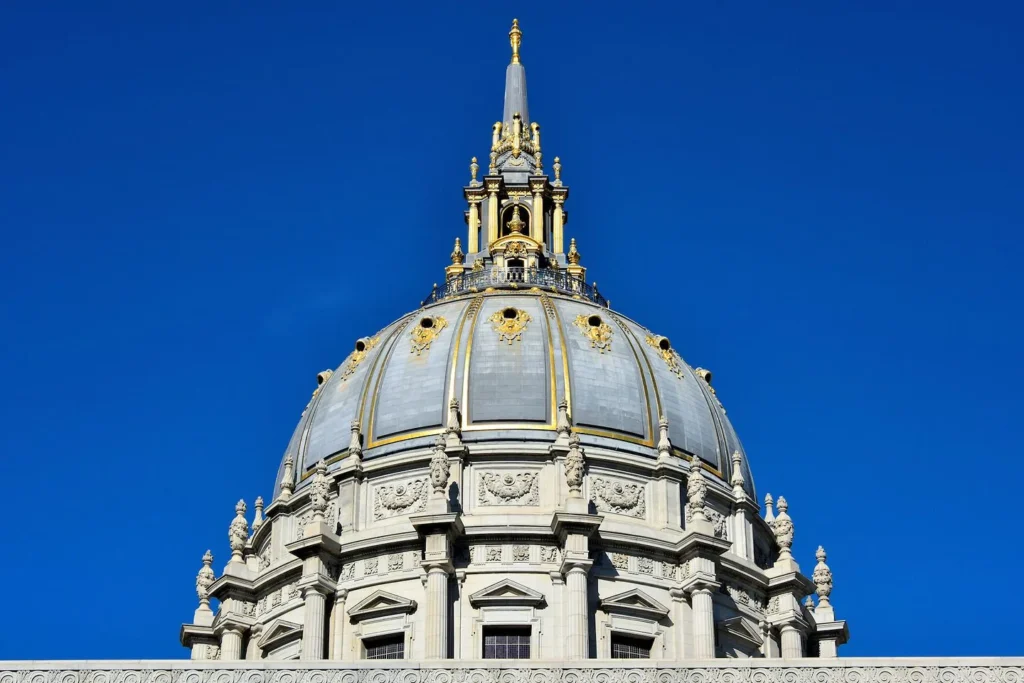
{"points": [[576, 616], [313, 624], [338, 626], [437, 613], [703, 624], [231, 644], [791, 644]]}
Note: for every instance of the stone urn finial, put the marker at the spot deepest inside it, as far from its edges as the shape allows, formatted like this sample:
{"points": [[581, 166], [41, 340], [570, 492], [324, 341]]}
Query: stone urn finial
{"points": [[440, 469], [257, 520], [664, 445], [205, 579], [238, 532], [574, 463], [318, 492], [355, 442], [696, 492], [822, 577], [288, 478], [737, 475], [783, 529], [769, 515]]}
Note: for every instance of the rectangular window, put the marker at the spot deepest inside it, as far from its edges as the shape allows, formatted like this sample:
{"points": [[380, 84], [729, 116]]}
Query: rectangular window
{"points": [[506, 642], [624, 647], [385, 647]]}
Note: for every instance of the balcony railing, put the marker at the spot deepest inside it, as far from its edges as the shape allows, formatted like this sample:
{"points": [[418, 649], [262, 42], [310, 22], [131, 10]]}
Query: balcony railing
{"points": [[516, 278]]}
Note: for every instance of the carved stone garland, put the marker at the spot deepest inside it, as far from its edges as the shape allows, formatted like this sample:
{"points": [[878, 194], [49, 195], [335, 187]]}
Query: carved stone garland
{"points": [[507, 488], [609, 495], [400, 499]]}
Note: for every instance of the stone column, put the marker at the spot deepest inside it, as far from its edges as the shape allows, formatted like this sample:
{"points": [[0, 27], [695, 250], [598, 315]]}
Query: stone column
{"points": [[436, 619], [338, 625], [231, 643], [576, 613], [703, 623], [791, 644], [313, 624]]}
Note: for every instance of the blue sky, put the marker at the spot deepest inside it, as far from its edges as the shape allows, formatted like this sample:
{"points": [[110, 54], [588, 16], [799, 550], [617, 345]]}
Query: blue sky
{"points": [[204, 204]]}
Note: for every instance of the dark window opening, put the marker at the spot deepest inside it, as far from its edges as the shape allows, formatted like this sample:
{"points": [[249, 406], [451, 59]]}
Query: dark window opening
{"points": [[385, 647], [507, 642], [624, 647]]}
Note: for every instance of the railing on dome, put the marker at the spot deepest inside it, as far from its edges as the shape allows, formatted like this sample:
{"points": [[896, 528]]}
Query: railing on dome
{"points": [[516, 278]]}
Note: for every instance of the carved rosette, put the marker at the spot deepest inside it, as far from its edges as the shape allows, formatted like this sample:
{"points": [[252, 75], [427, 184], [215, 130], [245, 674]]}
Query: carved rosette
{"points": [[609, 495], [399, 499], [508, 488]]}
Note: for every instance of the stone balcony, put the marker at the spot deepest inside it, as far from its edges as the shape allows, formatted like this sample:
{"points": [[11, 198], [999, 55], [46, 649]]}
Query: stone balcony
{"points": [[874, 670]]}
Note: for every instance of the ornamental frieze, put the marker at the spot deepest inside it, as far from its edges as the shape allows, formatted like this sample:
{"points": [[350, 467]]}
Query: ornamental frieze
{"points": [[307, 518], [395, 500], [509, 488], [617, 497], [918, 670]]}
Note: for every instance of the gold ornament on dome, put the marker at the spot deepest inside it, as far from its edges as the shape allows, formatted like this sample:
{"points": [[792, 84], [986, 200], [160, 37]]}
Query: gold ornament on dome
{"points": [[363, 347], [478, 265], [457, 254], [516, 223], [510, 323], [515, 249], [596, 330], [573, 256], [667, 353], [425, 332]]}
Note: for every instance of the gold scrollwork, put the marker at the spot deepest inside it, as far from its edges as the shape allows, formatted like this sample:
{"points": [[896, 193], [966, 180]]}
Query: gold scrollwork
{"points": [[357, 356], [596, 330], [425, 332], [510, 323], [667, 353]]}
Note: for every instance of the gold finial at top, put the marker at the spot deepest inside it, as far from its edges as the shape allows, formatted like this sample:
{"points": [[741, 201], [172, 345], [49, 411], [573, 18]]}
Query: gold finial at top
{"points": [[515, 36]]}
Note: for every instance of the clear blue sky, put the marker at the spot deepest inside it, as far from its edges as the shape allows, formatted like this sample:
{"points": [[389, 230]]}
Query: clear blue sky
{"points": [[203, 204]]}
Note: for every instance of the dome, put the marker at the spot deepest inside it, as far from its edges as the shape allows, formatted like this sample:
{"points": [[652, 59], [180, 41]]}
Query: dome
{"points": [[513, 463], [509, 358]]}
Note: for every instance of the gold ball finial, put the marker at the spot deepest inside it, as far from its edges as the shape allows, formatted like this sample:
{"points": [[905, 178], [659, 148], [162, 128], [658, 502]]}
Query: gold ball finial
{"points": [[515, 37]]}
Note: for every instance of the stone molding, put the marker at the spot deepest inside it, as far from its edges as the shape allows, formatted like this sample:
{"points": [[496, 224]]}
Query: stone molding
{"points": [[876, 670]]}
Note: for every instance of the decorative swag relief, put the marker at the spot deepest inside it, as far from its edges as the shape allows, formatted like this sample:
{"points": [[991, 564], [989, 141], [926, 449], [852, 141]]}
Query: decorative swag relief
{"points": [[509, 488], [618, 497], [394, 500]]}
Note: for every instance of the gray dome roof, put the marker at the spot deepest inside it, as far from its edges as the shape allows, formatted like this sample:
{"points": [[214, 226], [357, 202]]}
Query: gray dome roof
{"points": [[398, 384]]}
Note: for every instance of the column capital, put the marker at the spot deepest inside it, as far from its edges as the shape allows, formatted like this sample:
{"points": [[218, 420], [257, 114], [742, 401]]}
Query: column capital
{"points": [[316, 583]]}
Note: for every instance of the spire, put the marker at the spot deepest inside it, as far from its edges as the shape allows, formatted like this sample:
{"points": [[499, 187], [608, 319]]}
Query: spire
{"points": [[515, 83]]}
